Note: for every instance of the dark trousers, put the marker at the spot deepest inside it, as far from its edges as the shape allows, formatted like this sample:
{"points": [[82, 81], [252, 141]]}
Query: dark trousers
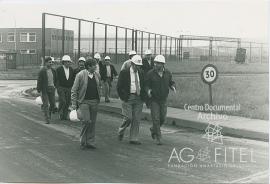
{"points": [[48, 97], [158, 114], [64, 101], [107, 88], [88, 110]]}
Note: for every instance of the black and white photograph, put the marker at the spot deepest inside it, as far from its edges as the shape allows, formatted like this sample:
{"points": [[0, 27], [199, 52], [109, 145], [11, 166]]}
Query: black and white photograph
{"points": [[134, 91]]}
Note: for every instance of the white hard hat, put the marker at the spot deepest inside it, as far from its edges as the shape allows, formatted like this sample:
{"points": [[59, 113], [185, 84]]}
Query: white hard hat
{"points": [[137, 60], [132, 52], [81, 59], [107, 58], [73, 116], [39, 100], [147, 52], [66, 58], [160, 59], [97, 56]]}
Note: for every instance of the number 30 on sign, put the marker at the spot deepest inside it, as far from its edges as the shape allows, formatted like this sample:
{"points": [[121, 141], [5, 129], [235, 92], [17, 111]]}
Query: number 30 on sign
{"points": [[209, 74]]}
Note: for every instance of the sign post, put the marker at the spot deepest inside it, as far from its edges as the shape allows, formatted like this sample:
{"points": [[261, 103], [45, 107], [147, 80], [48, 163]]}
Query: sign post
{"points": [[209, 75]]}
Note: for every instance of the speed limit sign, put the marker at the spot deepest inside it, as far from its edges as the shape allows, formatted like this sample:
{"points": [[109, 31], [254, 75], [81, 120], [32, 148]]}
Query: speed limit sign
{"points": [[209, 74]]}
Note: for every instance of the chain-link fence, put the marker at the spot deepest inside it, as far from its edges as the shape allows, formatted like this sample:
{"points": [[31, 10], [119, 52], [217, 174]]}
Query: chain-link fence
{"points": [[79, 37]]}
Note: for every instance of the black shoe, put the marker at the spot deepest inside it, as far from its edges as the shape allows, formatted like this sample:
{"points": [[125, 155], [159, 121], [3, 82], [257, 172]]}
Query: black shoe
{"points": [[89, 146], [83, 147], [47, 121], [120, 137], [152, 133], [135, 142], [158, 142]]}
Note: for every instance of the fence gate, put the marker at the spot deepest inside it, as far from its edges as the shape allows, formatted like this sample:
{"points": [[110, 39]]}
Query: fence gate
{"points": [[11, 60]]}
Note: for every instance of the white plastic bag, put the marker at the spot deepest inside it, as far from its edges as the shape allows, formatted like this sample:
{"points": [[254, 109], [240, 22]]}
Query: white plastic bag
{"points": [[39, 100], [73, 116]]}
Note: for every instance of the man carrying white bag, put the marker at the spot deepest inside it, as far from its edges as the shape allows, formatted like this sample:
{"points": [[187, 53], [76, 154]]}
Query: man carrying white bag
{"points": [[86, 93]]}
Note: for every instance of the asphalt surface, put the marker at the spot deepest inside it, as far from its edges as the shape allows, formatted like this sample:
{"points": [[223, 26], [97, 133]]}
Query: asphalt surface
{"points": [[31, 151]]}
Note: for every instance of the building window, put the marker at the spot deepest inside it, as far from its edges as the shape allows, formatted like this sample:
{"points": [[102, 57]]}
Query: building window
{"points": [[23, 51], [32, 51], [23, 37], [11, 37], [32, 37], [27, 37], [28, 51]]}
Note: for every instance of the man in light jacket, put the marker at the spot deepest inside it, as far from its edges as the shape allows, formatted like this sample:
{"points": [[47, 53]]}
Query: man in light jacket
{"points": [[86, 93]]}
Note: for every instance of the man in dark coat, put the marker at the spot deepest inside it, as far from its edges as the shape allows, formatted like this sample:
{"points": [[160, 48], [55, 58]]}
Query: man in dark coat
{"points": [[130, 88], [81, 65], [107, 75], [148, 61], [46, 84], [157, 84], [65, 79]]}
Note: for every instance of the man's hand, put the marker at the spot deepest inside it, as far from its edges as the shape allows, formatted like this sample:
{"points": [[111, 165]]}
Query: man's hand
{"points": [[149, 93], [173, 88]]}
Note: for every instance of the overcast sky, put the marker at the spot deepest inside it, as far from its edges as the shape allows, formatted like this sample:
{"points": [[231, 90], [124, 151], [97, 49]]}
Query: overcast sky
{"points": [[229, 18]]}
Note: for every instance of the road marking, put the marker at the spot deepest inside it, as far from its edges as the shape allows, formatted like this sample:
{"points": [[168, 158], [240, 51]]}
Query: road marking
{"points": [[252, 177]]}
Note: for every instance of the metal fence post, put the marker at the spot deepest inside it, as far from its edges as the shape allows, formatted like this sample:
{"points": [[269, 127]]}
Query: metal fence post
{"points": [[79, 39], [210, 49], [175, 46], [132, 44], [105, 41], [63, 36], [148, 40], [93, 40], [125, 43], [181, 48], [171, 46], [160, 50], [136, 39], [116, 32], [155, 45], [166, 46], [43, 36], [142, 43]]}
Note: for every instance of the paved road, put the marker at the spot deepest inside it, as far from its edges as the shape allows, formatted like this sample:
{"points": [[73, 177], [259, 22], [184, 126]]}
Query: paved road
{"points": [[31, 151]]}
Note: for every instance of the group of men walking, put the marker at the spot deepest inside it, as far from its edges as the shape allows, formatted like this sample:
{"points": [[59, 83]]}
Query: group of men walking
{"points": [[140, 81], [144, 81]]}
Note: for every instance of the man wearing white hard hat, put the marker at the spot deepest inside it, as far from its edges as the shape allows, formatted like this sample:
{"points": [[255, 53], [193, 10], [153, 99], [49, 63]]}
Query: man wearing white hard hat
{"points": [[65, 79], [157, 84], [81, 65], [127, 63], [107, 76], [148, 61], [46, 84], [130, 88], [99, 63]]}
